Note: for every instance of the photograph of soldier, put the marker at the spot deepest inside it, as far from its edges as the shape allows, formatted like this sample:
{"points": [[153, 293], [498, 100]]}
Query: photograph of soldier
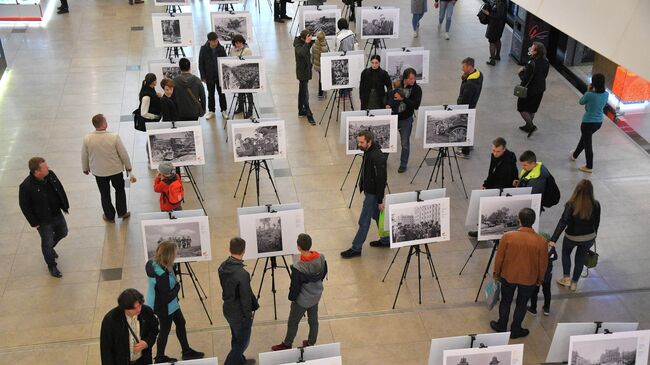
{"points": [[171, 30], [227, 26], [257, 141], [501, 216], [320, 20], [173, 147], [269, 235], [242, 76], [415, 223], [170, 72], [377, 24], [448, 129], [186, 236], [396, 63], [381, 130]]}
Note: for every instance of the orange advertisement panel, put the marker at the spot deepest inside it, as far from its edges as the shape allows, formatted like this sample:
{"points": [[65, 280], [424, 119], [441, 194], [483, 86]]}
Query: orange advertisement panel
{"points": [[630, 87]]}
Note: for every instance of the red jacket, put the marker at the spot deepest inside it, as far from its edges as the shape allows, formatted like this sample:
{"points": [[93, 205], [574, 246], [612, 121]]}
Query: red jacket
{"points": [[162, 187]]}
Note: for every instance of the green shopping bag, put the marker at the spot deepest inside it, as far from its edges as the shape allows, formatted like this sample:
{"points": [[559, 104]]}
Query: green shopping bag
{"points": [[380, 225]]}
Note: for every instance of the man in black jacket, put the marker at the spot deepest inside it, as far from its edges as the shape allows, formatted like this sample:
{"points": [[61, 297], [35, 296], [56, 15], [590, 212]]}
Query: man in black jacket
{"points": [[128, 331], [168, 109], [470, 90], [302, 50], [42, 199], [209, 71], [239, 302], [407, 107], [189, 93], [372, 183]]}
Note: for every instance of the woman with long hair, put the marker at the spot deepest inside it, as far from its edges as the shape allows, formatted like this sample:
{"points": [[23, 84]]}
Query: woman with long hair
{"points": [[149, 100], [375, 82], [162, 293], [581, 218], [533, 77]]}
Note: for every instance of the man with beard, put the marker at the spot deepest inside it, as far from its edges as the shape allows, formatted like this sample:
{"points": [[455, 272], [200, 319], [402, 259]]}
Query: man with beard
{"points": [[372, 183]]}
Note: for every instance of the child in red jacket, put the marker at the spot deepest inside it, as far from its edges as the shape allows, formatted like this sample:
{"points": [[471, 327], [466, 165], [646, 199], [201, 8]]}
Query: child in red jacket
{"points": [[168, 183]]}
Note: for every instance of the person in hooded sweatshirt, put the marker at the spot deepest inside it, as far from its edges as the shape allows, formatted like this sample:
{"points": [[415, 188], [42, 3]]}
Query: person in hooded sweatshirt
{"points": [[239, 302], [168, 183], [162, 294], [375, 81], [305, 292], [188, 93]]}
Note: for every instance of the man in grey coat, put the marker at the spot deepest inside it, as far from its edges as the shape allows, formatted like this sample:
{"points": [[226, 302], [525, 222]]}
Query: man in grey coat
{"points": [[305, 292]]}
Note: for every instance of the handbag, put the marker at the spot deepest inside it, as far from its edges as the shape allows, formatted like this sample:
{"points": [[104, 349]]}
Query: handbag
{"points": [[522, 91], [482, 17], [139, 123], [492, 293], [592, 258]]}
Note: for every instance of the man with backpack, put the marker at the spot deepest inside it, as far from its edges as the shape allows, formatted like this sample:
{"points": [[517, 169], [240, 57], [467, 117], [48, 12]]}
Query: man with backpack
{"points": [[537, 176], [168, 183]]}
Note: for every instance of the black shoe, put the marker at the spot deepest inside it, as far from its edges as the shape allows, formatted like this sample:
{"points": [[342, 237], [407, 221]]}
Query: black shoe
{"points": [[310, 119], [56, 255], [350, 253], [278, 20], [285, 17], [473, 234], [495, 326], [519, 334], [63, 11], [162, 359], [532, 311], [546, 311], [401, 169], [192, 355], [524, 128], [491, 62], [498, 58], [531, 131], [55, 272], [378, 243]]}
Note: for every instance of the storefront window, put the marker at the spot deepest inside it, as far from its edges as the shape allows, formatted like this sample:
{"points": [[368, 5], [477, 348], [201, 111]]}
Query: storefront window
{"points": [[579, 59]]}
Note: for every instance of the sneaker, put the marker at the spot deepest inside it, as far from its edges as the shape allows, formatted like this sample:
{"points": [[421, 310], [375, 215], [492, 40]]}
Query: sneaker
{"points": [[571, 155], [416, 33], [224, 114], [564, 282], [305, 343], [63, 11], [378, 243], [401, 169], [473, 234], [350, 253], [280, 347], [125, 215], [524, 128], [462, 155], [192, 354], [163, 359], [495, 326], [54, 271], [491, 62], [446, 36], [573, 286], [532, 312], [546, 311], [586, 169], [209, 115], [105, 218], [531, 131], [286, 17], [519, 334]]}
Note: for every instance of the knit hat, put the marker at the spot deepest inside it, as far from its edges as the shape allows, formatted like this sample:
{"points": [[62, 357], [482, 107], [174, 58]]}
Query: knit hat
{"points": [[165, 168]]}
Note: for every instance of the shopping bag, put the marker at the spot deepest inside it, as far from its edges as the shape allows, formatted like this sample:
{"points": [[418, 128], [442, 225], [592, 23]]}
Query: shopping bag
{"points": [[380, 225], [492, 293]]}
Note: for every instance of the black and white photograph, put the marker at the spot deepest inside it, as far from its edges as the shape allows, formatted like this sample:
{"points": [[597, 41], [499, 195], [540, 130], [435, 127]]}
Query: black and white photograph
{"points": [[181, 146], [415, 223], [379, 23], [191, 236], [165, 69], [172, 31], [263, 140], [499, 214], [625, 348], [341, 72], [384, 127], [395, 61], [227, 25], [319, 19], [449, 128], [171, 2], [242, 75], [492, 355], [271, 234]]}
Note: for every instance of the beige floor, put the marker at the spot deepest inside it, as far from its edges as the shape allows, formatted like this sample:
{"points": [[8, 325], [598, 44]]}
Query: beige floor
{"points": [[80, 64]]}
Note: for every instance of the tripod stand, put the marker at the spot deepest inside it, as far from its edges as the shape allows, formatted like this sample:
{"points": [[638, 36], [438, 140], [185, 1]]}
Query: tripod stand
{"points": [[439, 167], [174, 52], [195, 186], [415, 250], [235, 106], [335, 98], [487, 268], [255, 165], [171, 9], [271, 264], [226, 7], [178, 271], [257, 4], [375, 45]]}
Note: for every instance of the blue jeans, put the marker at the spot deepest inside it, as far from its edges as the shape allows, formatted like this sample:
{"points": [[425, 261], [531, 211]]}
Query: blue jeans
{"points": [[241, 330], [369, 211], [51, 233], [405, 126], [416, 21], [582, 248], [448, 8]]}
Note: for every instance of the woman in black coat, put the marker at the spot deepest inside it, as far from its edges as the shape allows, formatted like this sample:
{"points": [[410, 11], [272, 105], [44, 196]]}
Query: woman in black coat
{"points": [[375, 82], [533, 76], [497, 22]]}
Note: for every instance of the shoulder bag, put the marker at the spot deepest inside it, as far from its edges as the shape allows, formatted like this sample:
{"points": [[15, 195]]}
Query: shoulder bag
{"points": [[522, 91], [196, 101], [592, 258], [139, 123]]}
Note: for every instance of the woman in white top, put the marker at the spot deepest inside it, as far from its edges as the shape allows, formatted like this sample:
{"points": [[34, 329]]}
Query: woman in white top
{"points": [[149, 99], [240, 49]]}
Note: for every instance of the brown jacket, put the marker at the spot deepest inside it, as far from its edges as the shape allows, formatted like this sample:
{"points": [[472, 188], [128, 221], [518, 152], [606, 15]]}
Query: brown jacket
{"points": [[522, 257]]}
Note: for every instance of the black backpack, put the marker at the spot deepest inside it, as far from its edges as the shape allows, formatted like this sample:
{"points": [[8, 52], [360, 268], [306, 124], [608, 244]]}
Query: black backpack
{"points": [[551, 195]]}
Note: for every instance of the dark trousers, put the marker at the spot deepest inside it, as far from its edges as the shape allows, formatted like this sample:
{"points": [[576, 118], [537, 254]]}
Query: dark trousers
{"points": [[51, 233], [546, 290], [240, 330], [64, 4], [212, 86], [507, 294], [104, 184], [582, 248], [166, 326], [303, 97], [352, 5], [279, 8], [586, 132], [404, 127], [295, 315]]}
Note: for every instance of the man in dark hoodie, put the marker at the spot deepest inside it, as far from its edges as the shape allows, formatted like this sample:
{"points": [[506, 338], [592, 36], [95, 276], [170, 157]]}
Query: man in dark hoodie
{"points": [[304, 293], [373, 183], [470, 91], [239, 302], [188, 93], [408, 104], [209, 71], [302, 46]]}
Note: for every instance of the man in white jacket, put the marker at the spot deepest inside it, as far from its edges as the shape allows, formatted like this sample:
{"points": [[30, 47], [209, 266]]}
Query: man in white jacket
{"points": [[346, 40], [103, 154]]}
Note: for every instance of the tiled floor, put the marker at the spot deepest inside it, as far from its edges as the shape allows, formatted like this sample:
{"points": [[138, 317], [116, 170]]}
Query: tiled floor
{"points": [[83, 63]]}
